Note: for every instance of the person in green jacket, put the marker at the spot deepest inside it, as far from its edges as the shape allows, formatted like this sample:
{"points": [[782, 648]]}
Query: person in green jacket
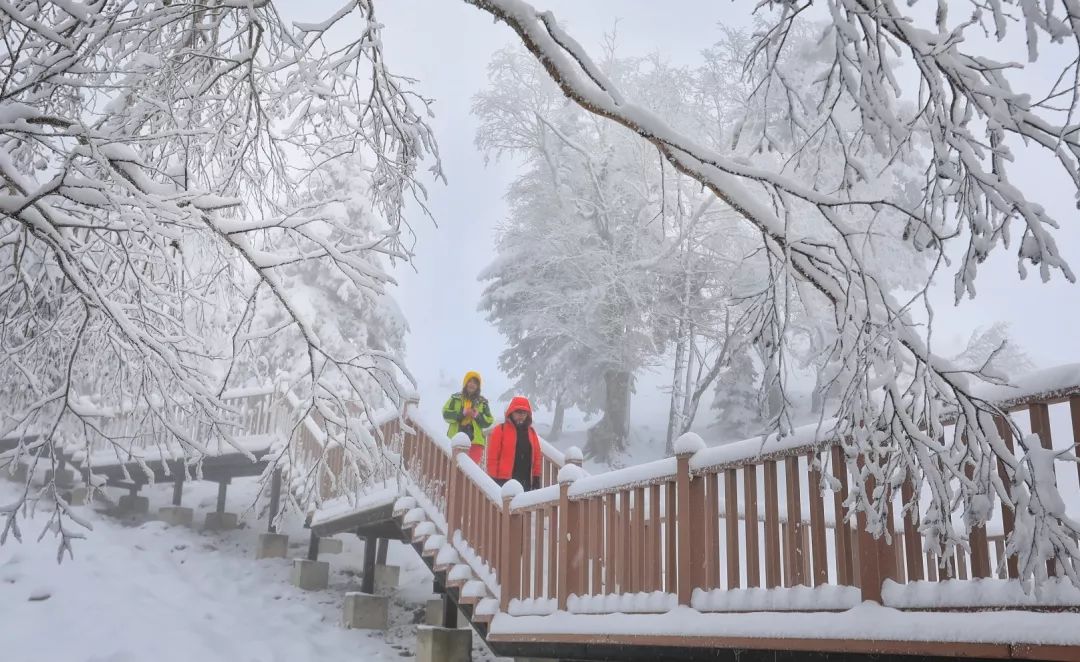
{"points": [[468, 412]]}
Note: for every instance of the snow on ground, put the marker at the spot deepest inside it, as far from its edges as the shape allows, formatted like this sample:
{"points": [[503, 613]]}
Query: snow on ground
{"points": [[140, 590]]}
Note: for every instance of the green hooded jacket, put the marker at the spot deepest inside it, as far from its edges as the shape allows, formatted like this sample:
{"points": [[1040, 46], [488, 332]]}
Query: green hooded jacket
{"points": [[453, 413]]}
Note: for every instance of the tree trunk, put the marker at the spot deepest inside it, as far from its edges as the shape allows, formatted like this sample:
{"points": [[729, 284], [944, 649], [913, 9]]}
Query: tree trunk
{"points": [[557, 421], [609, 436], [674, 410]]}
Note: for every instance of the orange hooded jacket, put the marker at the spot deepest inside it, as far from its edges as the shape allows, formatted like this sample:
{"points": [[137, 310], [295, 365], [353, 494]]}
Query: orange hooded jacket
{"points": [[503, 440]]}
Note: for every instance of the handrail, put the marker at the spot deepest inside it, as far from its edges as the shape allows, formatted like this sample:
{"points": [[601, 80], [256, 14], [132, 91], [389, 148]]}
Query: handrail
{"points": [[679, 526]]}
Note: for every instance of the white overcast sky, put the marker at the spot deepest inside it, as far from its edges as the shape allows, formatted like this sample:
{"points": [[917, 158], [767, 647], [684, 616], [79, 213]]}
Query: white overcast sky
{"points": [[447, 45]]}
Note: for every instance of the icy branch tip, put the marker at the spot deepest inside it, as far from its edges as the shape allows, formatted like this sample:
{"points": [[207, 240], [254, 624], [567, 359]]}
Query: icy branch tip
{"points": [[689, 443], [570, 473], [511, 489]]}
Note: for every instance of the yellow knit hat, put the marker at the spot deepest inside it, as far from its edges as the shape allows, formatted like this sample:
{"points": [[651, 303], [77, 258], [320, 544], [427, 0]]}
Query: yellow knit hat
{"points": [[472, 374]]}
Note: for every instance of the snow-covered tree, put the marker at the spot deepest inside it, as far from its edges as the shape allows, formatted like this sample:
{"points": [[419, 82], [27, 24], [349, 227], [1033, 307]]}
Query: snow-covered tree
{"points": [[193, 195], [963, 123], [573, 286]]}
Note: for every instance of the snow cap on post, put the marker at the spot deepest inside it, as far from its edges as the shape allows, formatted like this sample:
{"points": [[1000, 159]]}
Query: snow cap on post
{"points": [[570, 473], [573, 455], [688, 444], [511, 489], [460, 440]]}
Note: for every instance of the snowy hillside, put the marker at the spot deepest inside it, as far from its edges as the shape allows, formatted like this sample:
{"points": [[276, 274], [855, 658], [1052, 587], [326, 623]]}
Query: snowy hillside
{"points": [[139, 591]]}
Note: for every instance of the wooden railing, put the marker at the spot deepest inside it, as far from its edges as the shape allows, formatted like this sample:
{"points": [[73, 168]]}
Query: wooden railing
{"points": [[121, 432], [699, 528]]}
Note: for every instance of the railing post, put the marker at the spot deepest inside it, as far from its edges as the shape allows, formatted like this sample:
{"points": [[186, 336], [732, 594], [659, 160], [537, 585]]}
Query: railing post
{"points": [[509, 548], [459, 445], [685, 447], [567, 475], [874, 562], [574, 456]]}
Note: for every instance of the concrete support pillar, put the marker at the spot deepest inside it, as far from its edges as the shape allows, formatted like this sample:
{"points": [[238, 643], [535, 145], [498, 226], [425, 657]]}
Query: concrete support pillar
{"points": [[364, 611], [310, 575], [176, 515], [178, 484], [133, 504], [440, 611], [330, 546], [65, 478], [272, 546], [79, 496], [443, 644], [22, 472], [386, 578], [221, 521], [367, 582]]}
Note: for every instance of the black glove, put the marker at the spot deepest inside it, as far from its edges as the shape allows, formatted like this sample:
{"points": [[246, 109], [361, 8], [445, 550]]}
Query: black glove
{"points": [[535, 483]]}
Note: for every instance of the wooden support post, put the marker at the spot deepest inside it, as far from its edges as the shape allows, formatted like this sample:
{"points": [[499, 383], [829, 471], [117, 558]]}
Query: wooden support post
{"points": [[313, 547], [449, 612], [367, 582], [178, 485], [222, 488], [506, 591], [275, 501], [684, 553], [382, 548]]}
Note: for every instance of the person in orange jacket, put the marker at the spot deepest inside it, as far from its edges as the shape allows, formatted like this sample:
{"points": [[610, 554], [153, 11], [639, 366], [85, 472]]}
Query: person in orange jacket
{"points": [[514, 449]]}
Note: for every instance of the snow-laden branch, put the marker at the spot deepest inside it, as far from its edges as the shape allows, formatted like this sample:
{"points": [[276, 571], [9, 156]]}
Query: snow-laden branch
{"points": [[893, 390], [195, 197]]}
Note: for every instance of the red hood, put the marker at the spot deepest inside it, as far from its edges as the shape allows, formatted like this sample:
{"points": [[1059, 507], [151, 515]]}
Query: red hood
{"points": [[519, 403]]}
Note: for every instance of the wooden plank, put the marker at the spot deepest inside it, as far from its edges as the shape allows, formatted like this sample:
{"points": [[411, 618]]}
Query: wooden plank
{"points": [[1039, 414], [731, 521], [1074, 414], [538, 554], [562, 568], [750, 507], [656, 541], [696, 523], [626, 534], [772, 527], [711, 547], [596, 537], [820, 570], [683, 518], [553, 552], [528, 548], [912, 539], [792, 474], [1008, 517], [841, 530], [611, 559], [671, 565], [637, 539]]}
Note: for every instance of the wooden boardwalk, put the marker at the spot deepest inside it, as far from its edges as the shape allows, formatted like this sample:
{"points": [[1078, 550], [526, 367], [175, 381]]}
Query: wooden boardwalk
{"points": [[736, 552], [722, 550]]}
